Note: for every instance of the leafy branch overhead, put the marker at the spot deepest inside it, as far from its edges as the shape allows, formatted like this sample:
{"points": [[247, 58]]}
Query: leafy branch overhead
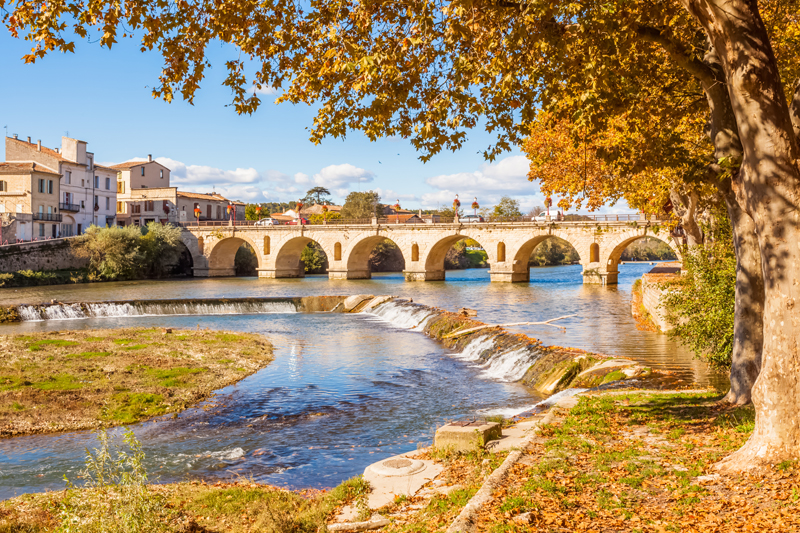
{"points": [[426, 71]]}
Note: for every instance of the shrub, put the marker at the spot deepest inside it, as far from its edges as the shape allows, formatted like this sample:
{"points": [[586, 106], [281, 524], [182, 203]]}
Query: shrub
{"points": [[701, 303], [118, 498]]}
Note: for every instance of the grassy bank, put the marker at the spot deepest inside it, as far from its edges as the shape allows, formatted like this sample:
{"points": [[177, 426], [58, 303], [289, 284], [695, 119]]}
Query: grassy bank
{"points": [[644, 463], [69, 380], [195, 507], [34, 278]]}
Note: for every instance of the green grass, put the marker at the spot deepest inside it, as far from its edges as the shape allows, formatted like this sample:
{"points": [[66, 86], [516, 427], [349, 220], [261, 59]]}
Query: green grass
{"points": [[135, 347], [229, 337], [613, 376], [59, 382], [127, 408], [172, 377], [12, 382], [89, 355], [38, 345]]}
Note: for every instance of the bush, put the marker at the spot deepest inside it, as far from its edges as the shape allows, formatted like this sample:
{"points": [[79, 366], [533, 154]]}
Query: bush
{"points": [[118, 498], [701, 303], [120, 253], [319, 219]]}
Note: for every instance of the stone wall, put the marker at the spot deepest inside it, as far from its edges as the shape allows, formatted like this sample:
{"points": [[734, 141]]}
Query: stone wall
{"points": [[53, 254], [651, 298]]}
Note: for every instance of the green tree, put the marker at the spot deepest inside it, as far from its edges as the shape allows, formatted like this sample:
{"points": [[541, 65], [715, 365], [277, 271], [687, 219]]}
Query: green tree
{"points": [[320, 218], [507, 207], [362, 205], [113, 252], [317, 195], [160, 249], [314, 259]]}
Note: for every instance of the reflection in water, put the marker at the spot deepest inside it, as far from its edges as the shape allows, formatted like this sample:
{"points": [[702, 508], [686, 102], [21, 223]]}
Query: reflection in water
{"points": [[344, 390]]}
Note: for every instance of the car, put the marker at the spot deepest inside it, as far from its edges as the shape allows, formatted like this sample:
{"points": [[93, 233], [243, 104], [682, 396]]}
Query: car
{"points": [[541, 217], [267, 222], [298, 222], [471, 218]]}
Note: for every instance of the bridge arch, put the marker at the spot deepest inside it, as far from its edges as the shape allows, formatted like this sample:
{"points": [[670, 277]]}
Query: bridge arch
{"points": [[222, 254], [431, 266], [515, 267], [288, 258], [354, 263]]}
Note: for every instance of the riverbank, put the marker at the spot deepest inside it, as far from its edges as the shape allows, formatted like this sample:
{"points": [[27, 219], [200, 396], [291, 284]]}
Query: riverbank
{"points": [[634, 461], [73, 380]]}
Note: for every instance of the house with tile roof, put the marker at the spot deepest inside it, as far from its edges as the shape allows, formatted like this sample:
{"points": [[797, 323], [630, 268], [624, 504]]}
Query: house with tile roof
{"points": [[28, 202], [87, 192]]}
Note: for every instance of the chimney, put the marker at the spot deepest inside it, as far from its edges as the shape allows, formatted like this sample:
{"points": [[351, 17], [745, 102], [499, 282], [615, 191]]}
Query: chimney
{"points": [[39, 145], [29, 139], [16, 136], [149, 157]]}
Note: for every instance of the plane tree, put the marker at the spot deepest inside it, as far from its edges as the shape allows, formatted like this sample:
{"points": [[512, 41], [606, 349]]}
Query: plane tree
{"points": [[428, 71]]}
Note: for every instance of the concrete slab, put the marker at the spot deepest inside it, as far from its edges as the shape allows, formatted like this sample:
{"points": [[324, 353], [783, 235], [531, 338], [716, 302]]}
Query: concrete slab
{"points": [[375, 302], [351, 302], [399, 475], [514, 437], [466, 438]]}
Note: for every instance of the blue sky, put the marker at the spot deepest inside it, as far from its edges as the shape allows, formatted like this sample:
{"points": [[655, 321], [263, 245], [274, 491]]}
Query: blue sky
{"points": [[104, 97]]}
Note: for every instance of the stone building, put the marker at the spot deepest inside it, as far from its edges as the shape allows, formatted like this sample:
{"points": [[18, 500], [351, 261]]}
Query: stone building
{"points": [[144, 195], [29, 206], [87, 192]]}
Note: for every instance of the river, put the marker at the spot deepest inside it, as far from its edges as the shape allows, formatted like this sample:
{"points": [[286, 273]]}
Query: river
{"points": [[344, 390]]}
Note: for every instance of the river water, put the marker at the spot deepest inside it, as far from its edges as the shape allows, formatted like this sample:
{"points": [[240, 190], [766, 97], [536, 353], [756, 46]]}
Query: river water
{"points": [[344, 391]]}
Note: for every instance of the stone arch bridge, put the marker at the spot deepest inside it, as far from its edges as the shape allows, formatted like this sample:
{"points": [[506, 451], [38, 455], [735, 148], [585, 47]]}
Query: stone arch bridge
{"points": [[348, 247]]}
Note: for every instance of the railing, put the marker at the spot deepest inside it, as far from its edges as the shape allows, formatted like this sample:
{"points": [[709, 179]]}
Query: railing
{"points": [[389, 221], [69, 207], [53, 217], [34, 240]]}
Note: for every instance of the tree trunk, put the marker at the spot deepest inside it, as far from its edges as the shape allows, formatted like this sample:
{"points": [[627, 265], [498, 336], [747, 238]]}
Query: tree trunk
{"points": [[685, 205], [769, 182], [794, 109], [748, 319]]}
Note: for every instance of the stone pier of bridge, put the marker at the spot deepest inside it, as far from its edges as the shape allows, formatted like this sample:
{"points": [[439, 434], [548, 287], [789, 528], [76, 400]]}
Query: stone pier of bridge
{"points": [[423, 246]]}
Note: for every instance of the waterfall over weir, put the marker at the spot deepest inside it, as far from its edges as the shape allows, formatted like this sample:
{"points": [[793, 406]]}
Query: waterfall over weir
{"points": [[503, 363], [240, 306]]}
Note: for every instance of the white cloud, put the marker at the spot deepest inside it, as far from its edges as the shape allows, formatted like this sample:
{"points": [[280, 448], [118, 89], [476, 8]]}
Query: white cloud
{"points": [[389, 196], [204, 175], [268, 90], [509, 174], [340, 176]]}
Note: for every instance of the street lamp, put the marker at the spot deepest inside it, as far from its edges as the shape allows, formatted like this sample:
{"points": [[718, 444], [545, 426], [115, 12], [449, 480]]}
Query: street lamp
{"points": [[475, 206], [231, 211]]}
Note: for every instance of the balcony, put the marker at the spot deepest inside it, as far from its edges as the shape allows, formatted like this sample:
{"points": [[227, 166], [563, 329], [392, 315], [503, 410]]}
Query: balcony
{"points": [[52, 217], [74, 208]]}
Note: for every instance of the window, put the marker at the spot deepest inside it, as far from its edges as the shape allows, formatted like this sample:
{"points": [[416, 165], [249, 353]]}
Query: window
{"points": [[108, 202], [49, 210], [120, 207], [142, 171], [96, 205], [219, 211], [120, 186], [41, 230], [208, 212], [41, 185], [82, 183], [41, 209], [3, 186], [83, 204], [108, 184], [148, 205], [161, 174], [68, 177], [97, 182], [49, 186]]}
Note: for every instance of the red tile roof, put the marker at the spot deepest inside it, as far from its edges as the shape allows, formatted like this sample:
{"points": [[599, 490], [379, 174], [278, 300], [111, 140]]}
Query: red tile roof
{"points": [[130, 164], [13, 168], [45, 150], [202, 196]]}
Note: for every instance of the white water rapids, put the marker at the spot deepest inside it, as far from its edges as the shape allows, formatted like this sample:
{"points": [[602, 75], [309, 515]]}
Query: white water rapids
{"points": [[506, 365], [63, 311]]}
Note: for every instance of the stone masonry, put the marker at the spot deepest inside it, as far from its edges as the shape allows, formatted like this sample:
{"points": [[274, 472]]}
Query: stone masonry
{"points": [[423, 246]]}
